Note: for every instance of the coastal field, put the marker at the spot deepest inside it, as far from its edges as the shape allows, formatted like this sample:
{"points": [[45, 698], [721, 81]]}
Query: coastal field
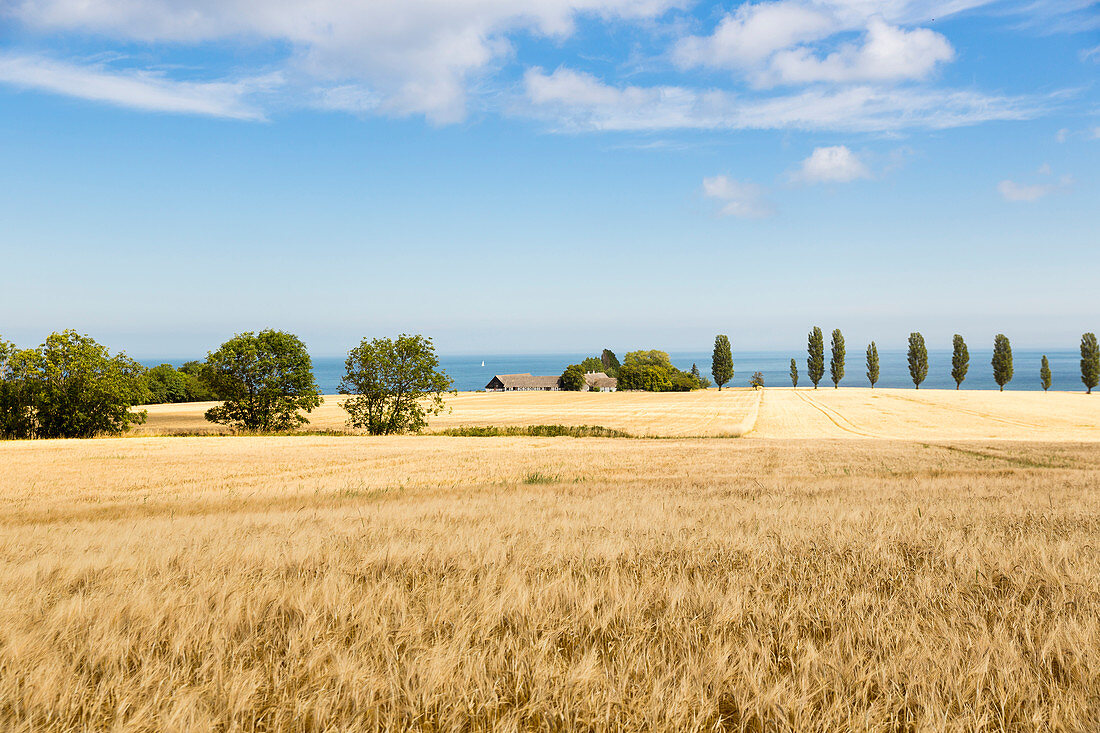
{"points": [[440, 583], [895, 414]]}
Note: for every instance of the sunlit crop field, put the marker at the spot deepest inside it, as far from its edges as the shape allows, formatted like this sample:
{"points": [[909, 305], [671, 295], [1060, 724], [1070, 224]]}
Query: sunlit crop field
{"points": [[772, 413], [729, 413], [519, 583]]}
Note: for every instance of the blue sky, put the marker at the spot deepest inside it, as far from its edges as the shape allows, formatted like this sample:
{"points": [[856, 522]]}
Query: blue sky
{"points": [[545, 176]]}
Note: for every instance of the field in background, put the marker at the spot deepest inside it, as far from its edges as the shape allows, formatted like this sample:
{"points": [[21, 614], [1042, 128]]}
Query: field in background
{"points": [[773, 413], [455, 583], [639, 413]]}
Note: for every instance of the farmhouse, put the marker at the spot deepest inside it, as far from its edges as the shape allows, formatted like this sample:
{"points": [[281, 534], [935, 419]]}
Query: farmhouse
{"points": [[594, 382], [522, 383], [600, 382]]}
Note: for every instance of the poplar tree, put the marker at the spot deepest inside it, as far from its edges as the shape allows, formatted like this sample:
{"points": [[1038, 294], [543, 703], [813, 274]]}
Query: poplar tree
{"points": [[721, 365], [960, 361], [815, 359], [1002, 361], [872, 364], [918, 358], [1090, 361], [836, 362], [794, 373], [1044, 374]]}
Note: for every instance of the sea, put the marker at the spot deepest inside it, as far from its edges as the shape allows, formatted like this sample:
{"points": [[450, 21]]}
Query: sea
{"points": [[468, 373]]}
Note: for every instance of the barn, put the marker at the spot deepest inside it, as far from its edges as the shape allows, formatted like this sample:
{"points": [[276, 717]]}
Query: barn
{"points": [[522, 383]]}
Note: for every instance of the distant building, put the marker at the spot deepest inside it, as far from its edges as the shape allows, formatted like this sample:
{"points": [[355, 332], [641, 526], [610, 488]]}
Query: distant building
{"points": [[600, 382], [522, 383], [594, 381]]}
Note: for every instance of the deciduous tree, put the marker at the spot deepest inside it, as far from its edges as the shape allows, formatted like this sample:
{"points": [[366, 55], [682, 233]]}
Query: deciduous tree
{"points": [[721, 365], [1002, 361], [265, 380], [572, 379], [1090, 361], [836, 360], [960, 360], [872, 364], [918, 359], [395, 384], [70, 387], [815, 359]]}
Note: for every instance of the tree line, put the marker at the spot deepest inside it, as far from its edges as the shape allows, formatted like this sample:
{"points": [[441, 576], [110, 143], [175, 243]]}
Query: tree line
{"points": [[72, 387], [917, 357]]}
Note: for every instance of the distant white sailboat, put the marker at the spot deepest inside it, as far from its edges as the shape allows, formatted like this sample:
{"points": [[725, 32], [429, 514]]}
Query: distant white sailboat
{"points": [[482, 363]]}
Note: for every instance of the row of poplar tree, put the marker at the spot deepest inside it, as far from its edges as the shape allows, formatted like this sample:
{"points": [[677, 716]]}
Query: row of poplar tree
{"points": [[722, 361]]}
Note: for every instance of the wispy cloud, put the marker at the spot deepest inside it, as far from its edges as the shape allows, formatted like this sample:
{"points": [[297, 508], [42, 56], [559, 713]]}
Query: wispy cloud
{"points": [[1022, 192], [742, 199], [142, 90], [577, 101]]}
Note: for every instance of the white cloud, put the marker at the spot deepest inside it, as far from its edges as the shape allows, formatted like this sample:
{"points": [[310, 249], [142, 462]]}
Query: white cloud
{"points": [[1062, 135], [888, 53], [136, 89], [742, 199], [836, 164], [774, 42], [404, 56], [577, 101], [1012, 191], [753, 33], [1091, 54]]}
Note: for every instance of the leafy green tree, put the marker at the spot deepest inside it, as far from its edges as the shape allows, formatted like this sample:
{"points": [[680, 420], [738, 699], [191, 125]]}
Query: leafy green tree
{"points": [[610, 363], [872, 364], [16, 404], [265, 380], [918, 359], [794, 373], [756, 381], [1002, 361], [721, 366], [198, 386], [1090, 361], [644, 377], [166, 384], [394, 384], [836, 361], [652, 357], [592, 364], [815, 359], [572, 379], [695, 372], [72, 387], [960, 361], [1045, 377]]}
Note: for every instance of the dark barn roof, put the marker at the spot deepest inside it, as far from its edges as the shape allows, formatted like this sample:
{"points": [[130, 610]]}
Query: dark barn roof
{"points": [[521, 381]]}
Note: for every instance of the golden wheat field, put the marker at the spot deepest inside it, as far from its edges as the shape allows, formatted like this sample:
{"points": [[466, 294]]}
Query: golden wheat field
{"points": [[453, 584], [771, 413]]}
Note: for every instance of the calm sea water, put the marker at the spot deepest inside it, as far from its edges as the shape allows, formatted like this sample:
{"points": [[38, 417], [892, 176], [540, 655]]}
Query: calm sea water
{"points": [[468, 374]]}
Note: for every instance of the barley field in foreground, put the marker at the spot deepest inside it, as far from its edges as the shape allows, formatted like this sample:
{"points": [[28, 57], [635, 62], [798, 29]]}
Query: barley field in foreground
{"points": [[434, 583]]}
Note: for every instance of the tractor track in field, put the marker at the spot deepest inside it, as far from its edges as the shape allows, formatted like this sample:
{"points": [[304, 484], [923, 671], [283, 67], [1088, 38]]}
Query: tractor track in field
{"points": [[836, 418]]}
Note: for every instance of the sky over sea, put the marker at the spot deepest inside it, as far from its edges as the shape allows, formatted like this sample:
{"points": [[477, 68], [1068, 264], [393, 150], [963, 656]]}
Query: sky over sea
{"points": [[549, 176]]}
